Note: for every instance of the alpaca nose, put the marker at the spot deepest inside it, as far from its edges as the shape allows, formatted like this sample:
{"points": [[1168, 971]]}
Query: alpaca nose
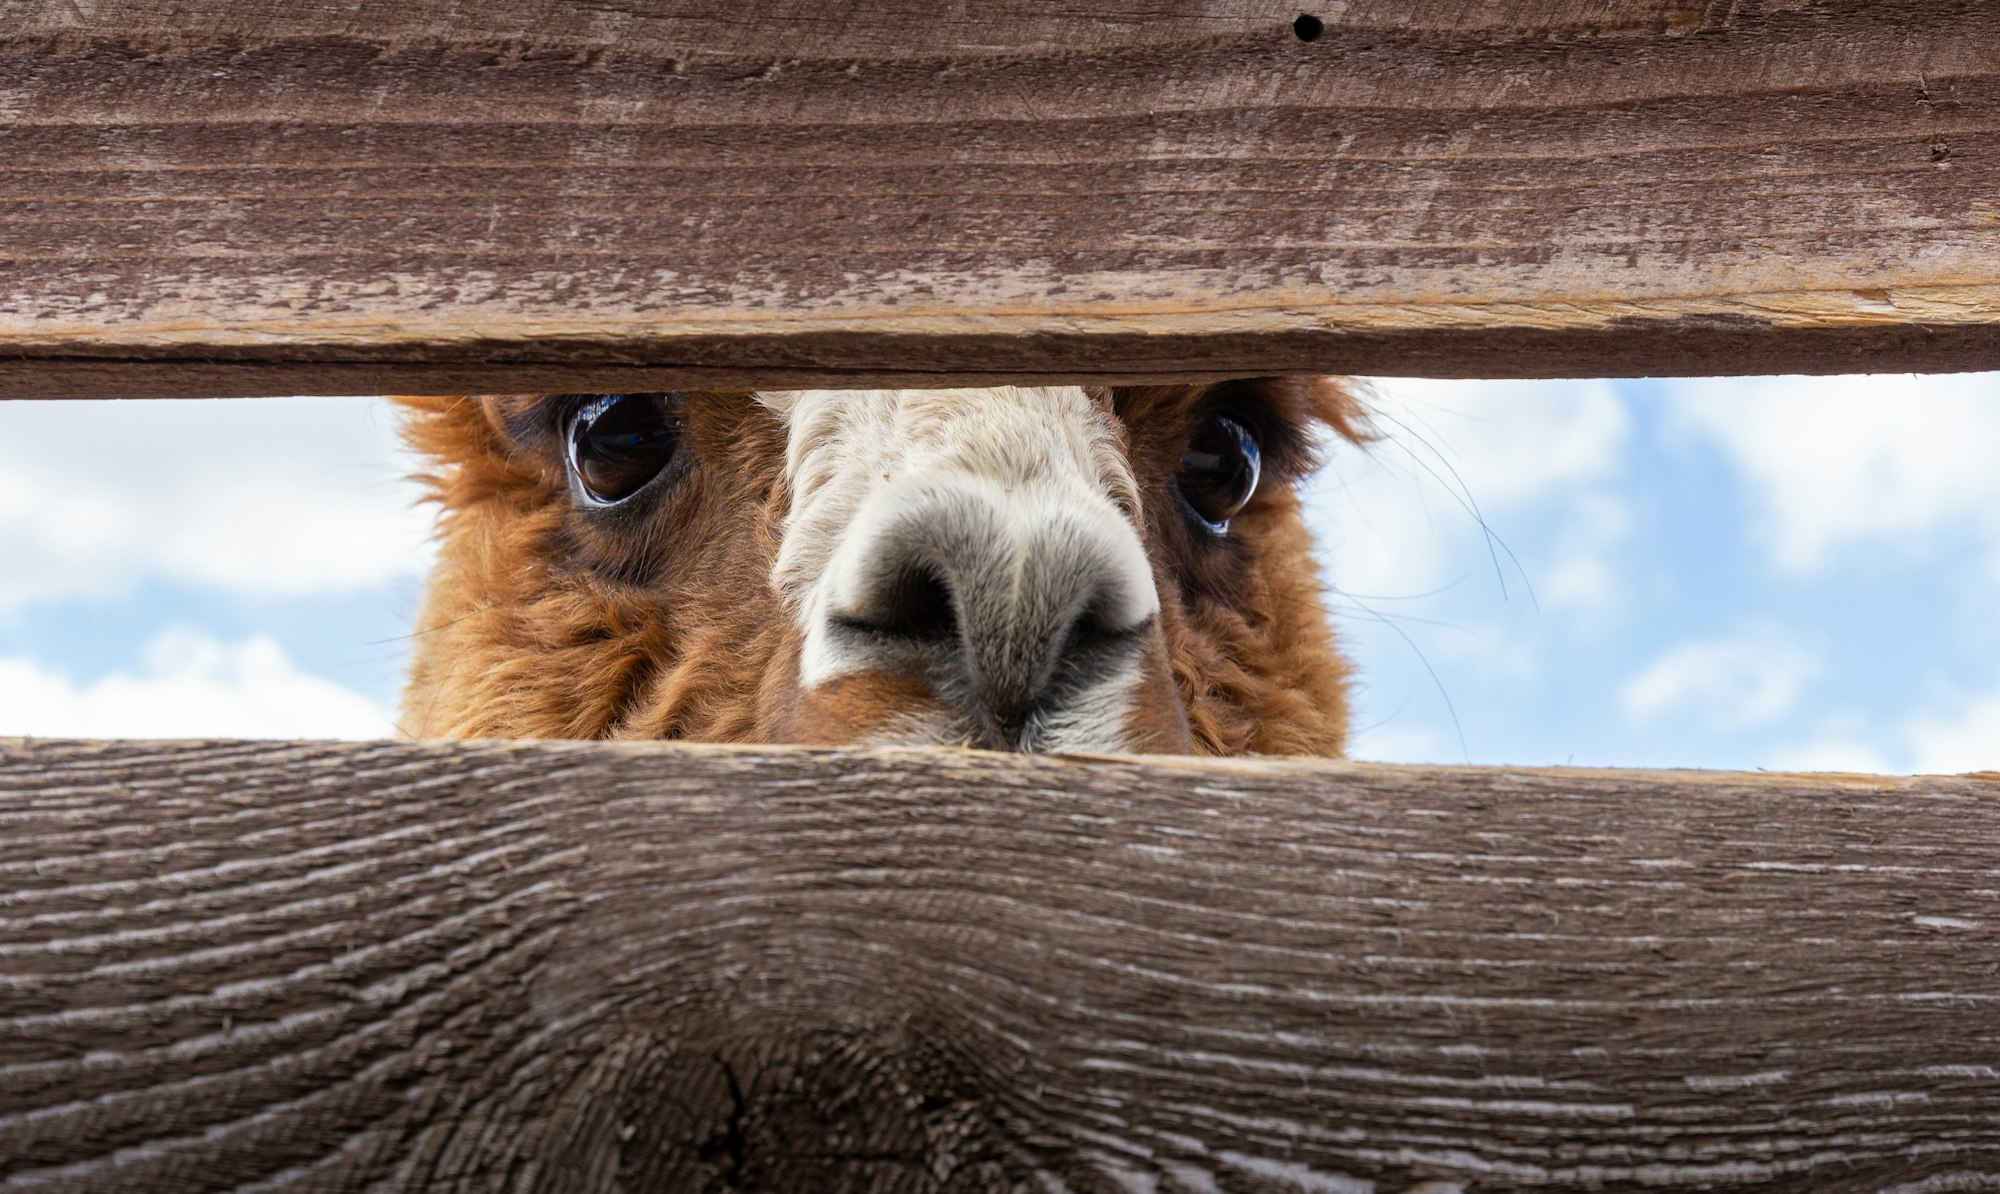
{"points": [[1018, 610]]}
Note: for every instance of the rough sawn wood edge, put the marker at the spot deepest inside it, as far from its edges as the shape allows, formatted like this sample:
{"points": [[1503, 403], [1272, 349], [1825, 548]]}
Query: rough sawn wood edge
{"points": [[265, 198], [574, 966]]}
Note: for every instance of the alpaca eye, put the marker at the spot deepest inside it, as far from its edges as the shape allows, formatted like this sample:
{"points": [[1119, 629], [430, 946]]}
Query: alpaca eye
{"points": [[1219, 470], [618, 442]]}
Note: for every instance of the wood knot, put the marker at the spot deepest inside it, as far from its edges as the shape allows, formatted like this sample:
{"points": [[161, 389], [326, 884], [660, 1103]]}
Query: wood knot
{"points": [[776, 1107]]}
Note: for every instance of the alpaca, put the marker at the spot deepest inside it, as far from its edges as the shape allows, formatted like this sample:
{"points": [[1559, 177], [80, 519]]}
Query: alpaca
{"points": [[1055, 569]]}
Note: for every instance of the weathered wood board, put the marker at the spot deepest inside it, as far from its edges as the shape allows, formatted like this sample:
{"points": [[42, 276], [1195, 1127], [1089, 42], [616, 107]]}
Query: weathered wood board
{"points": [[261, 197], [571, 966]]}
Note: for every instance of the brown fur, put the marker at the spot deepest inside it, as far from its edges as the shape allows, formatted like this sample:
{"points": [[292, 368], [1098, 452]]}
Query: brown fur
{"points": [[543, 623]]}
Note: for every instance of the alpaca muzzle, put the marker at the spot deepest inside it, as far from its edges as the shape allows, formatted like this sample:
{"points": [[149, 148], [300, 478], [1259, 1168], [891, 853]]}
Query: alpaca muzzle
{"points": [[1029, 618]]}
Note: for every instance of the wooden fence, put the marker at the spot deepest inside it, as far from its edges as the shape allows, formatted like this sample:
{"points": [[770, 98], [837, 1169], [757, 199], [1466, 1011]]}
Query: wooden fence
{"points": [[264, 197], [593, 967], [588, 967]]}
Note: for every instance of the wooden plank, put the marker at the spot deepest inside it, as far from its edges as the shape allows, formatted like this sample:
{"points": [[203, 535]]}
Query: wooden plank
{"points": [[571, 966], [264, 197]]}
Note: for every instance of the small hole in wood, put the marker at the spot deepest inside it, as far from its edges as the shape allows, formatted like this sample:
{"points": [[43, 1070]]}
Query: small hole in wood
{"points": [[1308, 27]]}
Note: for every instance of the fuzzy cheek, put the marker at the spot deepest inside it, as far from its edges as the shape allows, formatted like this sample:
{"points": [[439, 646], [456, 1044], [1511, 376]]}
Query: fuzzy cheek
{"points": [[871, 708], [1157, 723]]}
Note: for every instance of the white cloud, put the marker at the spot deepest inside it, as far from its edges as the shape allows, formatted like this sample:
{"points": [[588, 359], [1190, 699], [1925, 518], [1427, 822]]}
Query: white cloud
{"points": [[188, 686], [1747, 680], [1578, 575], [1399, 744], [1840, 461], [1834, 752], [1403, 516], [263, 496], [1955, 734], [1968, 739], [1506, 442]]}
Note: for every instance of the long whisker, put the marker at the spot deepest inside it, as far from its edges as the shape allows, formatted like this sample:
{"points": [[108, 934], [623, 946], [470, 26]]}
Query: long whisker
{"points": [[1462, 494], [1458, 730]]}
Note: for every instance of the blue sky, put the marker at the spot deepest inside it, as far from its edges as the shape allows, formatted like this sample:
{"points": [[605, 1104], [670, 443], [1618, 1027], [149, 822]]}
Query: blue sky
{"points": [[1787, 573]]}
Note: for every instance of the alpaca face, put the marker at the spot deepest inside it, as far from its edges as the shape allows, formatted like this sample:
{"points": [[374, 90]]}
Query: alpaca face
{"points": [[1047, 569]]}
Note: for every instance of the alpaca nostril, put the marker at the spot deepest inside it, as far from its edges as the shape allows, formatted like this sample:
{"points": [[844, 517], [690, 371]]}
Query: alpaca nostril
{"points": [[1013, 731], [1095, 629], [915, 603]]}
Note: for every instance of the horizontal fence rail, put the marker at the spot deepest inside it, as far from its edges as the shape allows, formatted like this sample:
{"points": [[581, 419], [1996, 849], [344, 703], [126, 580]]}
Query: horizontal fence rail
{"points": [[586, 967], [424, 196]]}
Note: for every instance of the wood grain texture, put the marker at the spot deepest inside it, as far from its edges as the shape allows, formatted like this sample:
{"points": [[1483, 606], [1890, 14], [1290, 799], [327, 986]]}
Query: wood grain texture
{"points": [[590, 967], [265, 197]]}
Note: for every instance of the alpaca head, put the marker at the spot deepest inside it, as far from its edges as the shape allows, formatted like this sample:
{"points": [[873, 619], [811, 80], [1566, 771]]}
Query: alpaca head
{"points": [[1045, 569]]}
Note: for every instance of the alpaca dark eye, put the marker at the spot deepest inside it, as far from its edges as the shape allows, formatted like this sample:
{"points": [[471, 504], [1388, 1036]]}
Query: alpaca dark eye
{"points": [[619, 442], [1219, 470]]}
